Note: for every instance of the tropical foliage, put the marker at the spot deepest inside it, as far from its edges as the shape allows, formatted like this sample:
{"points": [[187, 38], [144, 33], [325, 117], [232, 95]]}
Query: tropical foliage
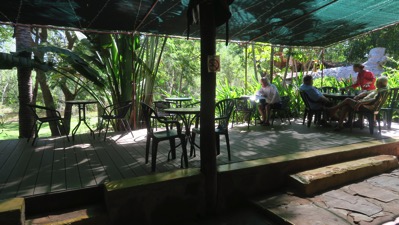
{"points": [[117, 67]]}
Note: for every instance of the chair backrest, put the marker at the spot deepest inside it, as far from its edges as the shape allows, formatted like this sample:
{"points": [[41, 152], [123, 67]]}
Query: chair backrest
{"points": [[33, 110], [242, 104], [379, 101], [393, 98], [39, 111], [285, 102], [329, 90], [305, 99], [194, 104], [123, 108], [148, 114], [160, 106], [224, 108]]}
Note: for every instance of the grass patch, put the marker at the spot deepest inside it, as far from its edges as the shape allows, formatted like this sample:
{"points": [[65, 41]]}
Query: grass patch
{"points": [[10, 130]]}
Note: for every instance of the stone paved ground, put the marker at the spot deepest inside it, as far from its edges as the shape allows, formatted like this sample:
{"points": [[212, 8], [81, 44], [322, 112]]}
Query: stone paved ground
{"points": [[372, 201], [243, 216]]}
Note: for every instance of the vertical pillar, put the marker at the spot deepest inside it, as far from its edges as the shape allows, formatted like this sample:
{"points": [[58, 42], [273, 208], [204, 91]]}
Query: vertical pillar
{"points": [[246, 69], [271, 64], [322, 67], [254, 59], [286, 68], [208, 94]]}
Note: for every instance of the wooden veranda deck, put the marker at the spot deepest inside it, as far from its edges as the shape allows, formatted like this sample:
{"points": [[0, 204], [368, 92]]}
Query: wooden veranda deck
{"points": [[55, 165]]}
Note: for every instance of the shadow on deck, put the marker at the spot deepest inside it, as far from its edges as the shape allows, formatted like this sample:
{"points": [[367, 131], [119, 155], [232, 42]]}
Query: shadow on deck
{"points": [[55, 165]]}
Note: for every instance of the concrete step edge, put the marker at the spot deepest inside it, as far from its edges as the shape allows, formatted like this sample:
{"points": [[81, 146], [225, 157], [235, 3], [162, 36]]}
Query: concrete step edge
{"points": [[313, 181], [86, 215]]}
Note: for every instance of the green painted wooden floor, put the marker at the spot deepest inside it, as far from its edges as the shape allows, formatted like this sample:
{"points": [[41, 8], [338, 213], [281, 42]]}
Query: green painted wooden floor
{"points": [[54, 164]]}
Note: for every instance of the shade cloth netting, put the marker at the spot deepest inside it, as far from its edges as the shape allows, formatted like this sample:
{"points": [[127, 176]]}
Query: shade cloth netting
{"points": [[286, 22]]}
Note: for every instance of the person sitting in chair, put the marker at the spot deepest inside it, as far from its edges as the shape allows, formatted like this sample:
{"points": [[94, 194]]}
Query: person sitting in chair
{"points": [[317, 99], [272, 100], [363, 100]]}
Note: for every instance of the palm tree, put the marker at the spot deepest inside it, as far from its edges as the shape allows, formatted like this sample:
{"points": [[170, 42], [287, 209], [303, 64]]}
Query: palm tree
{"points": [[129, 64], [24, 41]]}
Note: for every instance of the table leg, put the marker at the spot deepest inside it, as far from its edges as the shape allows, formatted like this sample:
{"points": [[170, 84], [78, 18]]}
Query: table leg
{"points": [[75, 129], [189, 135], [82, 117], [84, 121]]}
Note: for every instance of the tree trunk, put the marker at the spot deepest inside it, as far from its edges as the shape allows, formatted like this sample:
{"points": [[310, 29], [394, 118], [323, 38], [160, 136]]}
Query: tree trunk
{"points": [[180, 83], [3, 94], [35, 90], [23, 41], [69, 95], [41, 78], [68, 107]]}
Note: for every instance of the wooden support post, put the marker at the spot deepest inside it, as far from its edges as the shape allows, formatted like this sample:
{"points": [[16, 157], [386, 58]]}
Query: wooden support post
{"points": [[208, 94], [271, 64], [246, 69], [322, 67], [286, 68], [254, 59]]}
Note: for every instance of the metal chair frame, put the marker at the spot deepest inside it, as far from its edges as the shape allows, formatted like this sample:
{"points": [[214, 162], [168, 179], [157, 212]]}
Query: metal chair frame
{"points": [[52, 115], [116, 112]]}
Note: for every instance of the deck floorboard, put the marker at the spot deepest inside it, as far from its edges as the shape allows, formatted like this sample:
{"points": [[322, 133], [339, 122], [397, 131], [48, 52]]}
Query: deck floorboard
{"points": [[54, 164]]}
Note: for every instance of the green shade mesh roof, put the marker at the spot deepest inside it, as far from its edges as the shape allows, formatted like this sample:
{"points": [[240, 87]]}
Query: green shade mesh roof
{"points": [[285, 22]]}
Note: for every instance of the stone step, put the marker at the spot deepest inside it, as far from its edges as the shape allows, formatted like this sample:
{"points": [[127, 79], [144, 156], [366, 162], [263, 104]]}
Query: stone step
{"points": [[88, 215], [12, 211], [320, 179], [371, 201]]}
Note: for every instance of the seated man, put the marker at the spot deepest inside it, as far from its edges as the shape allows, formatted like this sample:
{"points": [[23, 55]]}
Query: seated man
{"points": [[364, 100], [318, 101], [270, 92]]}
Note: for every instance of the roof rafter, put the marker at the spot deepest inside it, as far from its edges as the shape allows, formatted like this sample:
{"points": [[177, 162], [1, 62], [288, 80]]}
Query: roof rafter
{"points": [[146, 15]]}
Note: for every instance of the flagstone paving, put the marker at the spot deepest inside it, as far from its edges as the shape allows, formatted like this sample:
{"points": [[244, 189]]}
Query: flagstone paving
{"points": [[371, 201]]}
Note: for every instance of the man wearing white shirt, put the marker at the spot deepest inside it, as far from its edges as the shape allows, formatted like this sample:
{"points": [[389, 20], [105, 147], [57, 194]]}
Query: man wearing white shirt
{"points": [[272, 100]]}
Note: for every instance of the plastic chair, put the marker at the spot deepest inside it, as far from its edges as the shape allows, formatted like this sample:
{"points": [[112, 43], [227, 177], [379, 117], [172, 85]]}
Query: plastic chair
{"points": [[391, 107], [243, 106], [223, 110], [284, 109], [156, 137], [309, 112], [116, 112], [372, 110], [160, 107], [51, 115]]}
